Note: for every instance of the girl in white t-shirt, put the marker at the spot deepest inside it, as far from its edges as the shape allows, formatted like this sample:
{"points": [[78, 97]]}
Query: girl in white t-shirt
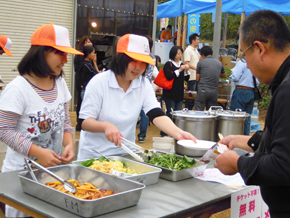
{"points": [[34, 113], [113, 101]]}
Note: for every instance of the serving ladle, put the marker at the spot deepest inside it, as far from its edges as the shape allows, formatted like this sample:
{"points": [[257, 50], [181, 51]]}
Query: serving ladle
{"points": [[67, 185]]}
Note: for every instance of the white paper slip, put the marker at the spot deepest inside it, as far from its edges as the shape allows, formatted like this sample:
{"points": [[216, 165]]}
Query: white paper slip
{"points": [[214, 175]]}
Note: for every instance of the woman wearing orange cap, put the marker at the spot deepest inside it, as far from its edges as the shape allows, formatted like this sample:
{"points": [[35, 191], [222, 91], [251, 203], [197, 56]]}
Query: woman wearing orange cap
{"points": [[5, 44], [113, 101], [34, 111]]}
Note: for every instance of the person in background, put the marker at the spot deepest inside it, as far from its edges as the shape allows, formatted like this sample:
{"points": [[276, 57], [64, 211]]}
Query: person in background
{"points": [[114, 99], [34, 109], [78, 60], [148, 74], [265, 45], [174, 69], [175, 37], [5, 45], [243, 95], [87, 71], [208, 71], [191, 57], [158, 61], [155, 74], [166, 34], [159, 34]]}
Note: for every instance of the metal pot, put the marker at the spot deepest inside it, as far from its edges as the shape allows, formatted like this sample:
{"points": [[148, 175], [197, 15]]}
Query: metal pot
{"points": [[201, 124], [231, 122]]}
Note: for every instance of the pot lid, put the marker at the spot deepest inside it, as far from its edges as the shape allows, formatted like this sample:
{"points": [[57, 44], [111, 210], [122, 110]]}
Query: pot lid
{"points": [[228, 113], [193, 114]]}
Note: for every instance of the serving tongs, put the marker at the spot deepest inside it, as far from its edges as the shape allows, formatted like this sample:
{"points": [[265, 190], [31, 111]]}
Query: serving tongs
{"points": [[133, 154], [67, 185]]}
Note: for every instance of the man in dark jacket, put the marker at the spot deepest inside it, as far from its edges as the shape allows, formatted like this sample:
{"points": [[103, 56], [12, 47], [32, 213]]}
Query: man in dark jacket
{"points": [[265, 42]]}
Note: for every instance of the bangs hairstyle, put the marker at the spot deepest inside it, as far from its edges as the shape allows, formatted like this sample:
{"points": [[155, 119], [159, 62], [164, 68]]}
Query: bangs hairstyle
{"points": [[173, 51], [34, 61], [120, 63]]}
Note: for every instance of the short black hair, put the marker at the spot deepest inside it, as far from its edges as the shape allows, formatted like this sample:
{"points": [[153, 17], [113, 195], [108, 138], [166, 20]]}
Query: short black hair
{"points": [[157, 58], [34, 61], [266, 25], [169, 26], [120, 62], [193, 36], [206, 50], [150, 41], [173, 51], [88, 50]]}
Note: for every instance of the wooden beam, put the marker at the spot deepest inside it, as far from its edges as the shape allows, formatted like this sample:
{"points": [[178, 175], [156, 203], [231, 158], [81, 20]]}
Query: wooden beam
{"points": [[225, 29], [179, 31], [242, 20], [184, 34]]}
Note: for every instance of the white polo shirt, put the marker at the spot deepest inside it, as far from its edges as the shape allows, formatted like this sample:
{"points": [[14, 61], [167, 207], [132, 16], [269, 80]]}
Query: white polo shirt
{"points": [[192, 55], [105, 100]]}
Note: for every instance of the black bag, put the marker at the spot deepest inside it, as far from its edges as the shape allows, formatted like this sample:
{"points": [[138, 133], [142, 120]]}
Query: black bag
{"points": [[257, 95]]}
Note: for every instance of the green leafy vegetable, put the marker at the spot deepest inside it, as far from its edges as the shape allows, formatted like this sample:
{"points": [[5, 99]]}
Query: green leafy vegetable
{"points": [[171, 161], [88, 162]]}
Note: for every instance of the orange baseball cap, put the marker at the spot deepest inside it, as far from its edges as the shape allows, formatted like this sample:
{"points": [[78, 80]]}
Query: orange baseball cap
{"points": [[136, 47], [5, 44], [54, 36]]}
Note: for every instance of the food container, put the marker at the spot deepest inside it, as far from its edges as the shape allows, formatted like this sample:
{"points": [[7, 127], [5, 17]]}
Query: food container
{"points": [[177, 175], [127, 192], [149, 176], [201, 124]]}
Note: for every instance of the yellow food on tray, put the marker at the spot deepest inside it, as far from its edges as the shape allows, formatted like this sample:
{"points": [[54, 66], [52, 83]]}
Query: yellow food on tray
{"points": [[85, 191], [107, 166]]}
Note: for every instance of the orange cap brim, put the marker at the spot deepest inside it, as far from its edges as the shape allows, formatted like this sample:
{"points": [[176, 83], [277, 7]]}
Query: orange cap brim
{"points": [[141, 57], [7, 52], [68, 50]]}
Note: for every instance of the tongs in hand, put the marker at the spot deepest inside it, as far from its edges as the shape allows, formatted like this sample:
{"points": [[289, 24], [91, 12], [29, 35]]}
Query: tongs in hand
{"points": [[133, 154]]}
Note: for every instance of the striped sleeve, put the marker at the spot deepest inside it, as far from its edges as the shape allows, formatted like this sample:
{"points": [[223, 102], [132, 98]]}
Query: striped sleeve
{"points": [[67, 122], [15, 140]]}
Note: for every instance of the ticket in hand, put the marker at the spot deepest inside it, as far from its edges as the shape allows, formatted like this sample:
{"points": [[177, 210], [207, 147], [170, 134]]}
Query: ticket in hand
{"points": [[213, 152]]}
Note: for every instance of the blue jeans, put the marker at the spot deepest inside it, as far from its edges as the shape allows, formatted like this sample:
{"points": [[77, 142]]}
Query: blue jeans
{"points": [[171, 106], [143, 124], [243, 99]]}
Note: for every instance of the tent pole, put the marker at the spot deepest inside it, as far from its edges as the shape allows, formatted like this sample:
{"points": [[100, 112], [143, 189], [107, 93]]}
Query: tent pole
{"points": [[242, 20], [184, 34], [178, 32], [217, 29], [225, 30]]}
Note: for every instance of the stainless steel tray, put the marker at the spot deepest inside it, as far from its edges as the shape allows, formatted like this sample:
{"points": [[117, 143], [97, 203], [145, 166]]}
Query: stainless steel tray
{"points": [[128, 192], [177, 175], [149, 176]]}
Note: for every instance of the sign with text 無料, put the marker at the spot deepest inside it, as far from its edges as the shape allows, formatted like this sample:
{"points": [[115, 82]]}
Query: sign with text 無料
{"points": [[248, 203]]}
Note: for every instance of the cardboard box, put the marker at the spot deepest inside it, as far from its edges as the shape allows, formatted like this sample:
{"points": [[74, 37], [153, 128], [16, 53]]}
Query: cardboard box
{"points": [[226, 61]]}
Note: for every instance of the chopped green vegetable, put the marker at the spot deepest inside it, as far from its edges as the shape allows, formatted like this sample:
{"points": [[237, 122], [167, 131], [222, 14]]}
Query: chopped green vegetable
{"points": [[88, 162], [171, 161], [102, 158]]}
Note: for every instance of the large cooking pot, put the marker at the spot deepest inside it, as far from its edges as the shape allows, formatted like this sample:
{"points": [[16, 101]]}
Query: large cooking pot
{"points": [[201, 124], [231, 122]]}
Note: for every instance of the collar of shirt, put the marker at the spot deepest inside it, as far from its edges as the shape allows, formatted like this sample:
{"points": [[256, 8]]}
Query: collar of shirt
{"points": [[280, 75], [113, 83], [179, 63]]}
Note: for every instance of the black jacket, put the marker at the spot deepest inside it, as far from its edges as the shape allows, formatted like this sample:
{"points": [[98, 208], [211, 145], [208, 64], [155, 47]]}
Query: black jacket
{"points": [[177, 91], [270, 166], [87, 72]]}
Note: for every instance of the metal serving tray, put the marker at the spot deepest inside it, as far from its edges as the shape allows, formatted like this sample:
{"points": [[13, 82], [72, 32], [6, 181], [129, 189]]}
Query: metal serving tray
{"points": [[127, 192], [177, 175], [149, 176]]}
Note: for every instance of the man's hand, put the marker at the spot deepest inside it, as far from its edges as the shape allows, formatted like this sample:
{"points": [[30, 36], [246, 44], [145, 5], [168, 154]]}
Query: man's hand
{"points": [[227, 162]]}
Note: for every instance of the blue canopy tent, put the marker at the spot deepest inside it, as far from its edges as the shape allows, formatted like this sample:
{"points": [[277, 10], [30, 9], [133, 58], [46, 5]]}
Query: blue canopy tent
{"points": [[175, 8]]}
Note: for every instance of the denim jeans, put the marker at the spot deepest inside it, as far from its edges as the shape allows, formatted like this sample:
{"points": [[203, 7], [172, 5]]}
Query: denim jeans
{"points": [[244, 99], [171, 106], [143, 124]]}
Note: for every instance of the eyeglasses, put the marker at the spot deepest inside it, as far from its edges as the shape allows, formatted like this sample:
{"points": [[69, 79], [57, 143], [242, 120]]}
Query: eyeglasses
{"points": [[242, 55]]}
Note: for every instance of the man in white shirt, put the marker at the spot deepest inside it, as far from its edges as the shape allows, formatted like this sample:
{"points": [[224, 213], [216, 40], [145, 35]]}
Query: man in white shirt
{"points": [[191, 57]]}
